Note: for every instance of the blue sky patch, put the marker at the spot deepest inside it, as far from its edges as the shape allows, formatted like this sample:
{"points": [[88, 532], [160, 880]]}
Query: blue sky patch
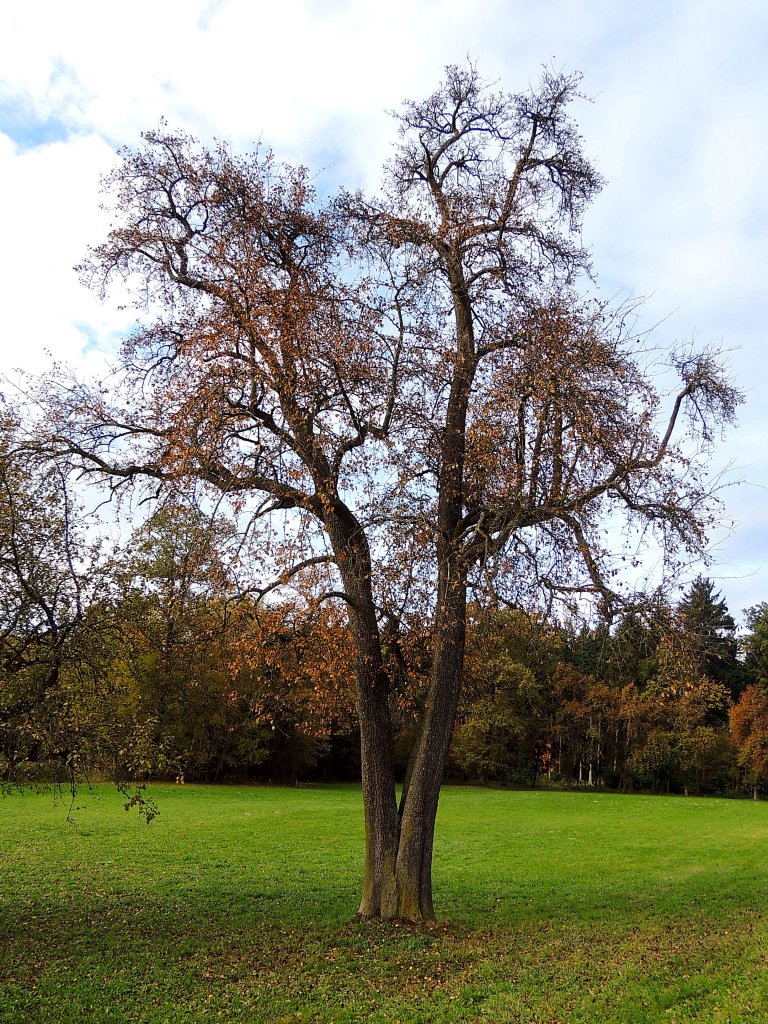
{"points": [[28, 131], [92, 341]]}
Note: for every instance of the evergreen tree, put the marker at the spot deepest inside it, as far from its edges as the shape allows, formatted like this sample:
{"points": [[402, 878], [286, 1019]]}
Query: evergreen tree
{"points": [[755, 645], [711, 632]]}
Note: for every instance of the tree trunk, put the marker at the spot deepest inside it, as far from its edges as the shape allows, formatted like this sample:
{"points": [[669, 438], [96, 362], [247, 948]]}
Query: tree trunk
{"points": [[398, 847], [420, 797], [408, 893], [399, 843], [379, 898], [382, 826], [398, 857]]}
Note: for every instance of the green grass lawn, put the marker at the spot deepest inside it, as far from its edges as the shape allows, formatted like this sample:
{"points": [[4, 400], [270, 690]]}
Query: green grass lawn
{"points": [[238, 904]]}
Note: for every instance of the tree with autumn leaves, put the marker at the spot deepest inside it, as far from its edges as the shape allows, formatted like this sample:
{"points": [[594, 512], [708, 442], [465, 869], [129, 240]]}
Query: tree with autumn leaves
{"points": [[749, 717], [401, 396], [749, 726], [54, 638], [228, 688]]}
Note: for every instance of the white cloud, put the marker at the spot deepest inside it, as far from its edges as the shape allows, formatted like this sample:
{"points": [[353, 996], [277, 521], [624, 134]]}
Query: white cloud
{"points": [[48, 223]]}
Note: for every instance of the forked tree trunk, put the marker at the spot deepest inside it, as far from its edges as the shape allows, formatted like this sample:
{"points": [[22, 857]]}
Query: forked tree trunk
{"points": [[398, 860], [398, 845]]}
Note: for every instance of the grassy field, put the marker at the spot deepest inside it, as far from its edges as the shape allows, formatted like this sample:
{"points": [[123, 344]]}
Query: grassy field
{"points": [[237, 905]]}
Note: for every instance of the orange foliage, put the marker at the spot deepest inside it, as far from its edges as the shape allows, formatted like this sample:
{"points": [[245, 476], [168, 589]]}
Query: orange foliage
{"points": [[749, 726]]}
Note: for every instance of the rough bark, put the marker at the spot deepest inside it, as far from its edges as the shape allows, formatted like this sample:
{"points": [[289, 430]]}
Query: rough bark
{"points": [[398, 863], [350, 545], [419, 807]]}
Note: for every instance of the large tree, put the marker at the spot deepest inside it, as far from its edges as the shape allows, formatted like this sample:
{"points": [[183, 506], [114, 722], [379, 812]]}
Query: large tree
{"points": [[56, 624], [402, 391]]}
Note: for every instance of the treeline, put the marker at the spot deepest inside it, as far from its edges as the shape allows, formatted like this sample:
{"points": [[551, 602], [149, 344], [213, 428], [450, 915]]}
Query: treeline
{"points": [[670, 705], [153, 660]]}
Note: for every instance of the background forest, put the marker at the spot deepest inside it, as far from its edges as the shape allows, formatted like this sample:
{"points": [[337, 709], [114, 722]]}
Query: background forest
{"points": [[153, 660]]}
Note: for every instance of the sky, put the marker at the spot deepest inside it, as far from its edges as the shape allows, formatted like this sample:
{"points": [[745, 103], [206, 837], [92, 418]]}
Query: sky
{"points": [[674, 118]]}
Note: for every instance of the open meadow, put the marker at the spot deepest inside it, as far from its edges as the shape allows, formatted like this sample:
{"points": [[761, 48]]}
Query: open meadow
{"points": [[237, 905]]}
